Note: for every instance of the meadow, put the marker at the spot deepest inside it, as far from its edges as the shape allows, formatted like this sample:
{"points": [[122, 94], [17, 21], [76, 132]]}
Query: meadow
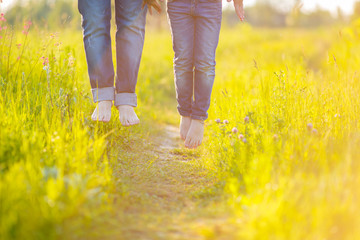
{"points": [[279, 159]]}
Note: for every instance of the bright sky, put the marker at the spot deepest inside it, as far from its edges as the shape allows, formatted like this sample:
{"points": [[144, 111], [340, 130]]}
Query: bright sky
{"points": [[345, 5]]}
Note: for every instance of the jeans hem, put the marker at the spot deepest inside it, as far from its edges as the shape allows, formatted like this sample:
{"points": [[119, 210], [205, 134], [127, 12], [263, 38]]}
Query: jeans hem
{"points": [[197, 117], [184, 113], [103, 94], [126, 99]]}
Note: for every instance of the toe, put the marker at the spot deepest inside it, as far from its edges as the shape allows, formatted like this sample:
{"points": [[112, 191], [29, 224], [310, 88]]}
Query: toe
{"points": [[187, 142], [194, 144], [191, 144], [182, 136], [133, 121], [127, 123]]}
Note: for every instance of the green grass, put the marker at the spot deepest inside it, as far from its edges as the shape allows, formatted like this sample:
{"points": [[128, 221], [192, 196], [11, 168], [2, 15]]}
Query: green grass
{"points": [[287, 182], [63, 176]]}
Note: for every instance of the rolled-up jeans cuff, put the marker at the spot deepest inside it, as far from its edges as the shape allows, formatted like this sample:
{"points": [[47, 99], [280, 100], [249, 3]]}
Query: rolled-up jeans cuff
{"points": [[126, 99], [103, 94], [184, 113], [198, 117]]}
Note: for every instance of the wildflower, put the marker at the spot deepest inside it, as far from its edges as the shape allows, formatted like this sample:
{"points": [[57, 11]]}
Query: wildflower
{"points": [[235, 130], [218, 120], [2, 18], [27, 25], [46, 61], [276, 137], [337, 115], [246, 119], [71, 61], [310, 126], [244, 140], [18, 45], [241, 137], [226, 121], [4, 27], [18, 58], [314, 131], [0, 37]]}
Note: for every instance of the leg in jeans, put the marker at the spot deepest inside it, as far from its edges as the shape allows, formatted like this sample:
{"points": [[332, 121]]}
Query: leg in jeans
{"points": [[130, 21], [182, 29], [208, 23], [96, 17]]}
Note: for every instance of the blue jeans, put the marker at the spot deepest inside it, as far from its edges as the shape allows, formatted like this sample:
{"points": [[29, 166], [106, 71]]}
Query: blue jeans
{"points": [[195, 27], [130, 21]]}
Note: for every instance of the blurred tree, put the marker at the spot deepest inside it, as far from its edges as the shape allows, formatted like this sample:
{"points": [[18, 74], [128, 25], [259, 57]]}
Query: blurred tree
{"points": [[356, 12], [45, 13], [264, 13]]}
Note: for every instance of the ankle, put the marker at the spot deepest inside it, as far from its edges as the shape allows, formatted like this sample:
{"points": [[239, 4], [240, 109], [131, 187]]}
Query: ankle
{"points": [[124, 107], [104, 102], [198, 121]]}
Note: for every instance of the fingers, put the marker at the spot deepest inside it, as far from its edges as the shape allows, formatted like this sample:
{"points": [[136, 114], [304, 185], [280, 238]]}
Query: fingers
{"points": [[150, 9], [158, 7], [155, 5], [239, 9]]}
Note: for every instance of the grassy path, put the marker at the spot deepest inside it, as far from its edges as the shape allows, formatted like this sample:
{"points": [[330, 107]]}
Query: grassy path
{"points": [[168, 194]]}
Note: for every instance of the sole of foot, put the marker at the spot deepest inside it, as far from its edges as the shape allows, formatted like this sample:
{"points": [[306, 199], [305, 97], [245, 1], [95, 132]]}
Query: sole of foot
{"points": [[128, 116], [195, 134], [185, 123], [102, 112]]}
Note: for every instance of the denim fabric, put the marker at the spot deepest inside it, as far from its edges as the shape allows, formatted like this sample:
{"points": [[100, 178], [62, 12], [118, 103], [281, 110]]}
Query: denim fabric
{"points": [[195, 27], [130, 20]]}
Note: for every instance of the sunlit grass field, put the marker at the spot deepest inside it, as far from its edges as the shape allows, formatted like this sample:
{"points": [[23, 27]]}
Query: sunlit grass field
{"points": [[282, 139]]}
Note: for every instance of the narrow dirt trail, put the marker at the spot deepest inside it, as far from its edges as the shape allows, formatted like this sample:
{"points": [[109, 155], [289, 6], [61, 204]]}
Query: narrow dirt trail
{"points": [[168, 194]]}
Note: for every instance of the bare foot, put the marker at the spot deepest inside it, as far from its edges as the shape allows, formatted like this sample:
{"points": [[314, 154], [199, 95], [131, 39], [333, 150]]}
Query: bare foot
{"points": [[128, 116], [184, 126], [195, 135], [102, 111]]}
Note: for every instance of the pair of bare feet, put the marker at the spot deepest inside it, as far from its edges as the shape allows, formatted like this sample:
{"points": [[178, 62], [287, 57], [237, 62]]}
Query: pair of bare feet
{"points": [[191, 131], [127, 114]]}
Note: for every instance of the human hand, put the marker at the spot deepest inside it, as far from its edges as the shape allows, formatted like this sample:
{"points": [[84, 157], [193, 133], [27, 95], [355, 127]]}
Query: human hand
{"points": [[153, 4], [239, 9]]}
